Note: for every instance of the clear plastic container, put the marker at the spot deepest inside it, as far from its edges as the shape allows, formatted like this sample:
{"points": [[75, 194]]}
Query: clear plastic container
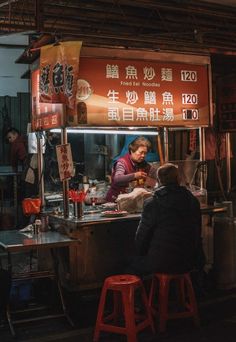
{"points": [[200, 193]]}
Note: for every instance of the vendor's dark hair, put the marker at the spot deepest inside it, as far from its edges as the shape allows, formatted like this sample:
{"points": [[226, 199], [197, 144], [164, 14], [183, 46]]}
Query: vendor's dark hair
{"points": [[168, 174], [13, 130], [140, 141]]}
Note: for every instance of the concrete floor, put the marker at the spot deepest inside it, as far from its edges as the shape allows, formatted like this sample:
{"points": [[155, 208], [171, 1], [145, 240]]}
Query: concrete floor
{"points": [[217, 313]]}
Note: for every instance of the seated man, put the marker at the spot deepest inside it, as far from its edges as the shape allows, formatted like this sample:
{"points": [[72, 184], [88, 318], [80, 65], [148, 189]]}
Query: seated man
{"points": [[168, 238]]}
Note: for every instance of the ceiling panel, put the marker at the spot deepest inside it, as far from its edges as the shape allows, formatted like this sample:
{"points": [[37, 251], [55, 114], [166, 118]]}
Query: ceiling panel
{"points": [[222, 2], [180, 25]]}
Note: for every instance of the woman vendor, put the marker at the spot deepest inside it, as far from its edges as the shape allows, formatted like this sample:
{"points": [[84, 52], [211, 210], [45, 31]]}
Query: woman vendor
{"points": [[131, 167]]}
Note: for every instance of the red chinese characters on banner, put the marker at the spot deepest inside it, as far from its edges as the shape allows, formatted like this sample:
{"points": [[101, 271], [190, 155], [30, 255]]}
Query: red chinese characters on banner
{"points": [[65, 163], [44, 115], [59, 66]]}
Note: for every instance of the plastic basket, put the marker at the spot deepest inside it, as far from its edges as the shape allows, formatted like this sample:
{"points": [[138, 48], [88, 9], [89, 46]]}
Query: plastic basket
{"points": [[31, 206]]}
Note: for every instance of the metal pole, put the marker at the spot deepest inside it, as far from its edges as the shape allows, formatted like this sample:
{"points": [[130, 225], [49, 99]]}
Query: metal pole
{"points": [[166, 144], [65, 183], [40, 168], [228, 161], [159, 149], [202, 151]]}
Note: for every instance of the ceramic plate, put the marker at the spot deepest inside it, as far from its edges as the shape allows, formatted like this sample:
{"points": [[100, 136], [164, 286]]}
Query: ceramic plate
{"points": [[114, 213]]}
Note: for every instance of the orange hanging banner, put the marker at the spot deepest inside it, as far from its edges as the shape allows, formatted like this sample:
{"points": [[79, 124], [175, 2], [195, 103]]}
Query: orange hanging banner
{"points": [[44, 115], [59, 67]]}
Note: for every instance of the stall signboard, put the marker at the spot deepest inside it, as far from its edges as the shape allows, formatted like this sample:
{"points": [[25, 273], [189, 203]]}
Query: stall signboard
{"points": [[116, 92], [65, 162], [44, 115], [226, 96], [59, 65]]}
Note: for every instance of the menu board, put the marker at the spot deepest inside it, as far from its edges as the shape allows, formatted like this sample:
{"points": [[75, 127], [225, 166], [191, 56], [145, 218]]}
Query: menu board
{"points": [[116, 92], [129, 92]]}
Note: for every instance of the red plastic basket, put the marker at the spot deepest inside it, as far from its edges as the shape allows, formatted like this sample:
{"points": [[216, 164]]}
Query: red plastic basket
{"points": [[31, 206]]}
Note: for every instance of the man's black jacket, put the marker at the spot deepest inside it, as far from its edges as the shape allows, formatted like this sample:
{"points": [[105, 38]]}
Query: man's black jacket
{"points": [[169, 232]]}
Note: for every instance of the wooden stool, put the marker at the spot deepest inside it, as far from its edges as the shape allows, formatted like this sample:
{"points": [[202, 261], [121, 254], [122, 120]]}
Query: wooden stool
{"points": [[123, 288], [186, 298]]}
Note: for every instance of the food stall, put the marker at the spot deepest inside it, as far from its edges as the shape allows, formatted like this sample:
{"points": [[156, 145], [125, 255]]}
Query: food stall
{"points": [[121, 92]]}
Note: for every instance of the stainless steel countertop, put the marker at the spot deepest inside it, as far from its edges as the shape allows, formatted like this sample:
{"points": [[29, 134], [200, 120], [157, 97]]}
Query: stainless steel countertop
{"points": [[14, 240], [97, 218]]}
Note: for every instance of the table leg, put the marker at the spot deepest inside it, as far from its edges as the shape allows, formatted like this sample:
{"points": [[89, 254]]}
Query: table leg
{"points": [[8, 313], [10, 321], [15, 195], [57, 278]]}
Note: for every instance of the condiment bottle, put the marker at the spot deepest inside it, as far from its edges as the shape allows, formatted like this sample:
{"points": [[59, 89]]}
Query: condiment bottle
{"points": [[85, 183], [38, 226]]}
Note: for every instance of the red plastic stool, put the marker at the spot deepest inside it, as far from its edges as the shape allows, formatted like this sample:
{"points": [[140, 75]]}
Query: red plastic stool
{"points": [[186, 298], [123, 288]]}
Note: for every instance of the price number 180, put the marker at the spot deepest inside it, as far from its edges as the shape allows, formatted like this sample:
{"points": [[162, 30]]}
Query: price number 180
{"points": [[190, 114]]}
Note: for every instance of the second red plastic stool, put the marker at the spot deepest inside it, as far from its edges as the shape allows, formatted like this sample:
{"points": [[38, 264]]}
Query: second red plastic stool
{"points": [[186, 298]]}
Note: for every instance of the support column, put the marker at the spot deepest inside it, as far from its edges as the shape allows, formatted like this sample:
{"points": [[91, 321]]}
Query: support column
{"points": [[40, 168], [65, 183], [228, 162]]}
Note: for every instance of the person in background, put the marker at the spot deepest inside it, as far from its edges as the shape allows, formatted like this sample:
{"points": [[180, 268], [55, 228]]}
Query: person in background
{"points": [[26, 164], [168, 238], [18, 152], [131, 167]]}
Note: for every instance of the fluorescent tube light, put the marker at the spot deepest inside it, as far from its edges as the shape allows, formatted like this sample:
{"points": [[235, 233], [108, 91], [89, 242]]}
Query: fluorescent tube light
{"points": [[106, 131]]}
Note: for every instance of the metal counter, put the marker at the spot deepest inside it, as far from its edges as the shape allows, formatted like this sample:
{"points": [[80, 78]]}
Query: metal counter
{"points": [[106, 244], [89, 219], [98, 219]]}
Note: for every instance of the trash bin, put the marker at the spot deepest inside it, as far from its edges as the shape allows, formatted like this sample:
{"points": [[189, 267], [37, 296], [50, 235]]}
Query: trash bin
{"points": [[224, 252]]}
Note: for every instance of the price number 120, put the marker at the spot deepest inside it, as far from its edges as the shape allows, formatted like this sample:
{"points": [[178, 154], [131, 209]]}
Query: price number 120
{"points": [[189, 99]]}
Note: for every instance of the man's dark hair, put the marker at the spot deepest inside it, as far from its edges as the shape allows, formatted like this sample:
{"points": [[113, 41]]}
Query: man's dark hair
{"points": [[13, 130], [168, 174]]}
